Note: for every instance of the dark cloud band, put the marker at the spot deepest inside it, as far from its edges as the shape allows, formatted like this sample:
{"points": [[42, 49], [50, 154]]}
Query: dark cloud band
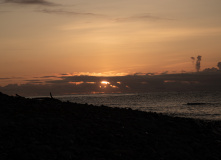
{"points": [[39, 2], [198, 81]]}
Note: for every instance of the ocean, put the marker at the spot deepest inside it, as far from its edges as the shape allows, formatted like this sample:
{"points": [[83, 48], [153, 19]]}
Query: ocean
{"points": [[198, 105]]}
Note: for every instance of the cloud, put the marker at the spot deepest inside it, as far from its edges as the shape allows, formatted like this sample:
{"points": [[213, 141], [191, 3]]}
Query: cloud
{"points": [[138, 83], [38, 2], [33, 81], [49, 77], [143, 17], [63, 12]]}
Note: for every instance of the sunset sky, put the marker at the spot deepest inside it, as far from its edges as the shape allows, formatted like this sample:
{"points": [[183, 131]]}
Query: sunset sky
{"points": [[111, 38]]}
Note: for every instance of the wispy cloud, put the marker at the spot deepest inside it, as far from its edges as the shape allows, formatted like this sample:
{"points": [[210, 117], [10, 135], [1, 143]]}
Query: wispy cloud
{"points": [[71, 13], [49, 77], [34, 81], [38, 2], [145, 16]]}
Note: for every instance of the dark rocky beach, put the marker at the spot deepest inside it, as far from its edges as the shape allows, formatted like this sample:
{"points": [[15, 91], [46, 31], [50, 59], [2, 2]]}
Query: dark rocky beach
{"points": [[48, 129]]}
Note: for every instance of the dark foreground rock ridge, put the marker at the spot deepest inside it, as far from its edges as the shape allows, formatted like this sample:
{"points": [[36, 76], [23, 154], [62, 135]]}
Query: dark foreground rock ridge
{"points": [[48, 129]]}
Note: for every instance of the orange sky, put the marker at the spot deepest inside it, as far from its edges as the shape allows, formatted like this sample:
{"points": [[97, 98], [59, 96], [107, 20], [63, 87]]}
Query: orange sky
{"points": [[127, 36]]}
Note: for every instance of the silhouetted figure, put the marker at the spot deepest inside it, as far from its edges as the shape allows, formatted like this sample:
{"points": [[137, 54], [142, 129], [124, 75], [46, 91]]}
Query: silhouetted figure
{"points": [[51, 95]]}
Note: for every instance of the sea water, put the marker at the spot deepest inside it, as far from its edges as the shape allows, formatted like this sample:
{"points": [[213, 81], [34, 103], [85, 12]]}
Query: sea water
{"points": [[199, 105]]}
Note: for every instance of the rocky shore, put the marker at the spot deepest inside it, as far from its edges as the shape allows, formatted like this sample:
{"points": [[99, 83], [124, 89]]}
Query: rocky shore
{"points": [[48, 129]]}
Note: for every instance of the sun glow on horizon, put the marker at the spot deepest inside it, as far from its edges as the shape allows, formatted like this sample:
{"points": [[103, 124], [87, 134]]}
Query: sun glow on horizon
{"points": [[105, 82]]}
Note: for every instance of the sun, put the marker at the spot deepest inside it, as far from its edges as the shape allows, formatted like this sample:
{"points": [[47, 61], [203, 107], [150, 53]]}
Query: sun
{"points": [[105, 82]]}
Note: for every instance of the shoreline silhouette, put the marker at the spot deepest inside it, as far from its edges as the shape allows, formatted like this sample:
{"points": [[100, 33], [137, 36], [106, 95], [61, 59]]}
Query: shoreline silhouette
{"points": [[51, 129]]}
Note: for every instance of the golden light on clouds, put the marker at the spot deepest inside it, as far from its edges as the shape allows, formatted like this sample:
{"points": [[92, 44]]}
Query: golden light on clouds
{"points": [[76, 83], [113, 86]]}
